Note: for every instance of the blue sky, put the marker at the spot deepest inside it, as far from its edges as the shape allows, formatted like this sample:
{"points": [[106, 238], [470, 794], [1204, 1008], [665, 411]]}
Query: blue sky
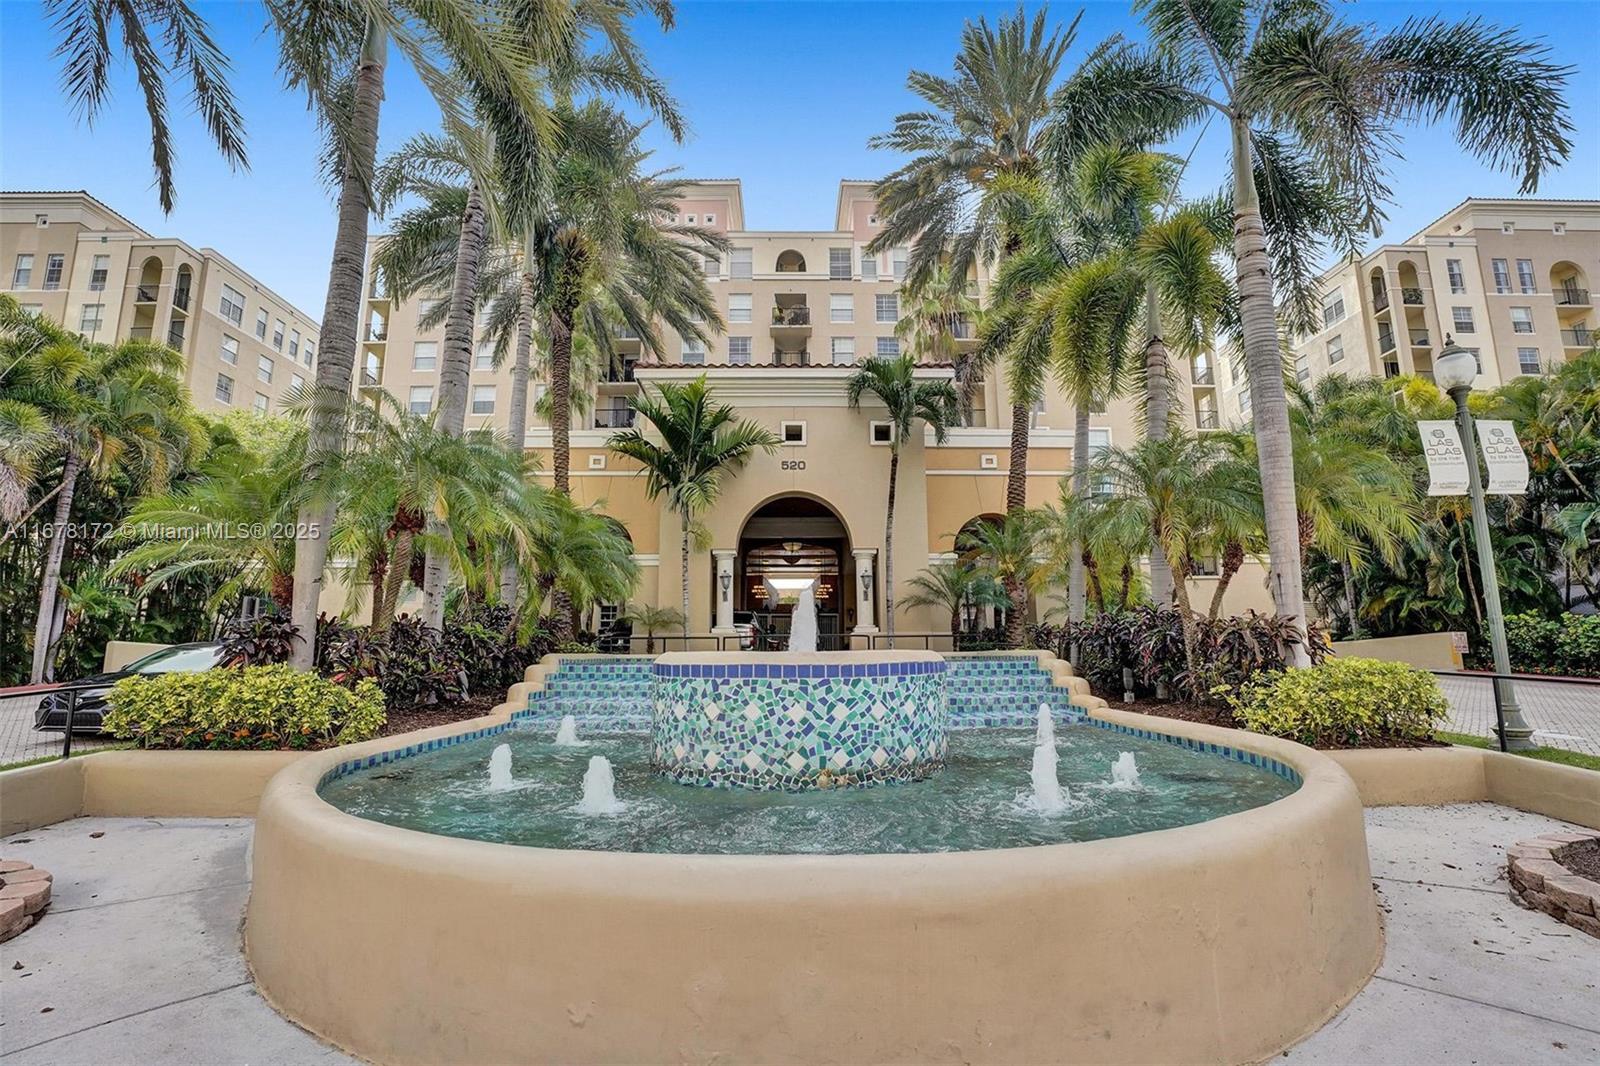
{"points": [[781, 94]]}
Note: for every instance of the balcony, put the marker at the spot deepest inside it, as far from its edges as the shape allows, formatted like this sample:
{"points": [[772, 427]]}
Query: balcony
{"points": [[627, 340], [1380, 301], [175, 336], [378, 334], [146, 294], [962, 329], [1385, 341], [140, 333], [1569, 297], [1581, 337], [1419, 338], [619, 375], [615, 418], [794, 315], [1204, 375], [1411, 297], [180, 299], [1205, 420], [371, 379], [800, 358]]}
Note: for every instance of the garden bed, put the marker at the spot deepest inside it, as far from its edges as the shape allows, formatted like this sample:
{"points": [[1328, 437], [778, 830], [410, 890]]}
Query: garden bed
{"points": [[1208, 714], [410, 719]]}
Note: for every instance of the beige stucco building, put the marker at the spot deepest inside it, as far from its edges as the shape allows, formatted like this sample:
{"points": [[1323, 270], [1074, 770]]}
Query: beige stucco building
{"points": [[72, 258], [801, 309], [1508, 279]]}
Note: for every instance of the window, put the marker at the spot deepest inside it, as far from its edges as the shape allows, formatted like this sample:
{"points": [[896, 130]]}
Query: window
{"points": [[1335, 349], [483, 357], [294, 343], [53, 265], [1302, 369], [739, 351], [1522, 320], [33, 309], [843, 350], [882, 433], [22, 276], [305, 356], [897, 264], [277, 334], [1333, 309], [232, 307], [1244, 400], [91, 318], [711, 220], [1502, 276], [869, 267], [888, 307], [740, 264], [1477, 358], [261, 323], [1462, 317], [296, 382], [841, 308], [888, 347], [713, 266], [426, 305], [99, 272], [1525, 279], [792, 432], [1528, 360], [264, 367], [1558, 228], [425, 355], [483, 399], [1508, 227], [690, 220], [839, 264], [230, 350], [740, 305], [421, 399], [1458, 281], [224, 391], [694, 351], [261, 404], [1036, 416]]}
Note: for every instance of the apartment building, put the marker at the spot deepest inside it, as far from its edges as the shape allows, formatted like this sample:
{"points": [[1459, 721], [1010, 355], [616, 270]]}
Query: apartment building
{"points": [[801, 310], [82, 264], [1507, 279]]}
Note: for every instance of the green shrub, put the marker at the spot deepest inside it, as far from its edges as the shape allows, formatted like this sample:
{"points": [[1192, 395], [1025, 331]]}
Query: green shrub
{"points": [[1567, 644], [257, 707], [1344, 702]]}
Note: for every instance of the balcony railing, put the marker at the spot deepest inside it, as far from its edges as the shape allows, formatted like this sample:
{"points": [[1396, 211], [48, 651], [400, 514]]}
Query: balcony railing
{"points": [[180, 299], [1566, 297], [1581, 337], [1204, 375], [791, 316], [1385, 341], [175, 337], [140, 333], [1391, 370], [615, 418], [145, 294], [1380, 300], [1419, 338], [1205, 420], [377, 333], [615, 374], [371, 379], [1411, 296], [800, 358], [963, 330]]}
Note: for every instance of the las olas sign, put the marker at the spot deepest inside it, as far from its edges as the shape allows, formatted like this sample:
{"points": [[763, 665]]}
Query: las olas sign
{"points": [[1447, 458]]}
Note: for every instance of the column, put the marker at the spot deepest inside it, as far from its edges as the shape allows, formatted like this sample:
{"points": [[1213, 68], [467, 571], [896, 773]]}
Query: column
{"points": [[865, 613], [724, 571]]}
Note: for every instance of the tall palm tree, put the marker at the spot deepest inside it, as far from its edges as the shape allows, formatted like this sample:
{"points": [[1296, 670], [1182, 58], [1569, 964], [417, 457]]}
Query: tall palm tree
{"points": [[26, 437], [1302, 92], [894, 384], [978, 140], [931, 318], [701, 444], [955, 587]]}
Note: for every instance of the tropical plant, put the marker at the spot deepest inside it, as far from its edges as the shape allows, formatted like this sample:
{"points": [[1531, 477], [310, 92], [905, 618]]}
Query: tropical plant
{"points": [[652, 619], [1310, 105], [701, 444], [906, 400], [1344, 703], [1007, 551], [955, 587], [1104, 540], [975, 145], [573, 556]]}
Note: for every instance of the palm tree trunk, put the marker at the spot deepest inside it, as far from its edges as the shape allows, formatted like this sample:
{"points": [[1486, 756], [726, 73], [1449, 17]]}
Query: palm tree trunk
{"points": [[517, 414], [1157, 420], [1191, 638], [683, 577], [566, 303], [1268, 400], [1232, 560], [1097, 591], [1127, 584], [1076, 608], [888, 544], [341, 319], [399, 567], [1349, 578], [1017, 474], [955, 628], [1466, 567], [1017, 598], [44, 621]]}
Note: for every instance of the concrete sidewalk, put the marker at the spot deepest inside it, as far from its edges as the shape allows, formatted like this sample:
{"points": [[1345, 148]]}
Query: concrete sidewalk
{"points": [[138, 959]]}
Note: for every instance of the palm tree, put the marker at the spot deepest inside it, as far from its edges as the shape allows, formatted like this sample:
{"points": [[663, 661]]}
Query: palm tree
{"points": [[112, 409], [1081, 529], [893, 383], [1008, 552], [701, 444], [955, 587], [650, 619], [976, 143], [26, 437], [931, 318], [573, 557], [1305, 95]]}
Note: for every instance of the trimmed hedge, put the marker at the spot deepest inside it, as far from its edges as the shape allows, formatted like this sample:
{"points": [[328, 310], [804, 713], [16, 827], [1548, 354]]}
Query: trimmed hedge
{"points": [[1343, 703], [255, 707], [1568, 644]]}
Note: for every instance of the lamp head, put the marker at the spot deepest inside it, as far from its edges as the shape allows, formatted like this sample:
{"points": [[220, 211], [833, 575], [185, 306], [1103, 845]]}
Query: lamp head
{"points": [[1454, 367]]}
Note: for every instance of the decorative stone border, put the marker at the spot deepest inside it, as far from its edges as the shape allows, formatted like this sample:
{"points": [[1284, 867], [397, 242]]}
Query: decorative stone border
{"points": [[1539, 882], [24, 894]]}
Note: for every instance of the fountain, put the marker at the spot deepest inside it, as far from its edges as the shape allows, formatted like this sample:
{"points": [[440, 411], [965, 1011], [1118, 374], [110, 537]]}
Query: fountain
{"points": [[803, 622], [1048, 795], [567, 733], [599, 788], [1125, 771], [1045, 732], [500, 768]]}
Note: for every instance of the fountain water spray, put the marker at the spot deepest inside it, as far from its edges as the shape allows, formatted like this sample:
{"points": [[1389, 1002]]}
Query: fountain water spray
{"points": [[803, 622], [1048, 795], [1125, 772], [567, 733], [1046, 731], [599, 788], [500, 768]]}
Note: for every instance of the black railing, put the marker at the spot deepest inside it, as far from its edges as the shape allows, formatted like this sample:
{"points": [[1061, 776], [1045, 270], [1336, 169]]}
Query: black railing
{"points": [[1581, 337], [617, 375], [1572, 297], [1204, 375], [1380, 300], [800, 358], [1502, 683], [145, 294], [963, 330], [180, 299], [1205, 420], [174, 338], [1419, 338], [791, 316], [1385, 341], [1411, 296], [377, 333], [614, 418]]}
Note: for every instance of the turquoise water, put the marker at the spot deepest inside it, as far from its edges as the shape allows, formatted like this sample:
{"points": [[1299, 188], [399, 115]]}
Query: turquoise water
{"points": [[982, 798]]}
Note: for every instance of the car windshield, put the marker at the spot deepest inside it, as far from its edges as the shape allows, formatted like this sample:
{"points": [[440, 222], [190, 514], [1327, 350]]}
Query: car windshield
{"points": [[176, 660]]}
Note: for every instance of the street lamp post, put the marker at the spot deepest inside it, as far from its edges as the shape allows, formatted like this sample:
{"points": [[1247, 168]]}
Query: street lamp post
{"points": [[1454, 371]]}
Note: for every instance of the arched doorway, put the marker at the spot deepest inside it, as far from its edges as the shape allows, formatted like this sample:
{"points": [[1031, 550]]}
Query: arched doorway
{"points": [[786, 543]]}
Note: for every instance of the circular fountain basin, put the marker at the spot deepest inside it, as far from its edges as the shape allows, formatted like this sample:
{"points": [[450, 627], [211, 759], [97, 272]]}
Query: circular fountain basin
{"points": [[798, 720]]}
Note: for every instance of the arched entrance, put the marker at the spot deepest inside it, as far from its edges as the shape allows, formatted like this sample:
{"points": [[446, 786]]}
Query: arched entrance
{"points": [[786, 543]]}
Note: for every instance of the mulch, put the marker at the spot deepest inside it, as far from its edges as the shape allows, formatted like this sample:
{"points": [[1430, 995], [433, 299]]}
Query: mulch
{"points": [[1207, 714], [409, 719], [1582, 858]]}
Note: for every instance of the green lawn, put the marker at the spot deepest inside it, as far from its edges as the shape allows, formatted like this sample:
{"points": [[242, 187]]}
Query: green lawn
{"points": [[1566, 758]]}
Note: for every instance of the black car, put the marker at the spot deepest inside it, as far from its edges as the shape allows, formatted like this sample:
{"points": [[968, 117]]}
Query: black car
{"points": [[51, 716]]}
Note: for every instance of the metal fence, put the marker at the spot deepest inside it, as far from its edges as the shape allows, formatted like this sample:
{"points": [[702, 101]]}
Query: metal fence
{"points": [[20, 738], [1564, 712]]}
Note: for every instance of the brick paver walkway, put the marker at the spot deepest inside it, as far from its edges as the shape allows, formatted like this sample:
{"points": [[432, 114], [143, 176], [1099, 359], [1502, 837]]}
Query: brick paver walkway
{"points": [[1562, 715]]}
